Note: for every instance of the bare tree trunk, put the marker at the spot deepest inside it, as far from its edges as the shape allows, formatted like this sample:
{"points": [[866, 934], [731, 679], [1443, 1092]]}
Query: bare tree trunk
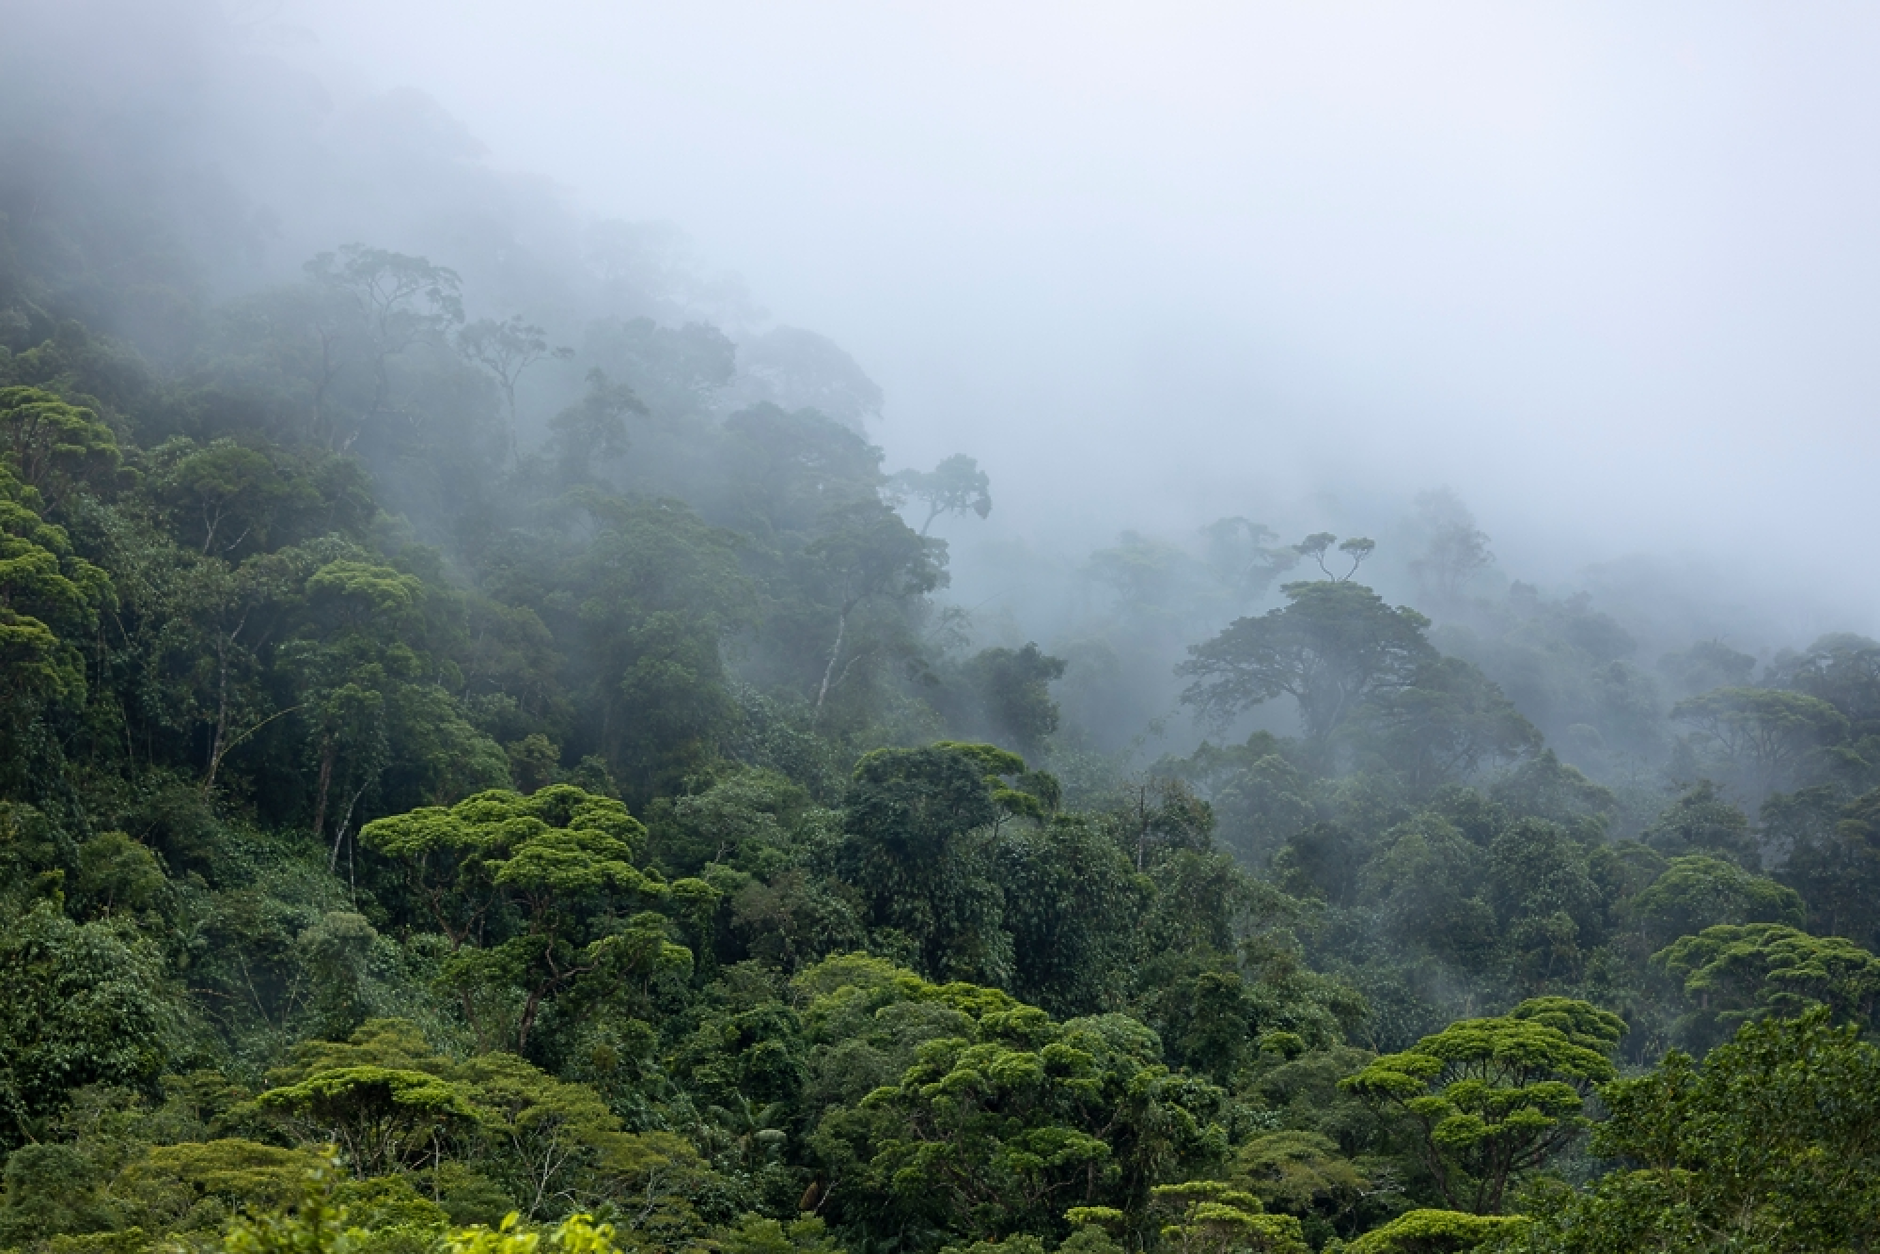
{"points": [[842, 627], [220, 746], [345, 823], [327, 754]]}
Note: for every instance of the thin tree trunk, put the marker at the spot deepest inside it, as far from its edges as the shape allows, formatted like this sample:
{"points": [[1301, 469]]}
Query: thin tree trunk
{"points": [[842, 627], [345, 823], [327, 754]]}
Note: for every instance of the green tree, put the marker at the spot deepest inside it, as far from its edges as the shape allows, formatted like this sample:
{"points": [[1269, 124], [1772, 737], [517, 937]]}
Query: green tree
{"points": [[79, 1004], [1733, 973], [1427, 1231], [956, 486], [1317, 545], [1208, 1217], [919, 850], [52, 1190], [1697, 892], [1702, 820], [1445, 724], [52, 444], [644, 608], [1834, 860], [226, 492], [1001, 1128], [1765, 737], [1771, 1143], [1013, 691], [525, 890], [380, 1117], [50, 597], [1334, 647], [867, 552], [1493, 1099]]}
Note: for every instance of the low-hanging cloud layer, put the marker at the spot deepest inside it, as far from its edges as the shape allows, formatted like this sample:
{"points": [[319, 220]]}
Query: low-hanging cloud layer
{"points": [[1606, 272]]}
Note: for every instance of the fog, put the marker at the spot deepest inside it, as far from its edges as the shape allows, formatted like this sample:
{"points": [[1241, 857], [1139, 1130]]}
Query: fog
{"points": [[1405, 450], [1605, 275], [1605, 271]]}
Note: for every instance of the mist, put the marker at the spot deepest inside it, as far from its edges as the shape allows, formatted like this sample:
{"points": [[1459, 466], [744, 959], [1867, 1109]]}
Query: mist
{"points": [[1600, 277], [937, 628], [1605, 272]]}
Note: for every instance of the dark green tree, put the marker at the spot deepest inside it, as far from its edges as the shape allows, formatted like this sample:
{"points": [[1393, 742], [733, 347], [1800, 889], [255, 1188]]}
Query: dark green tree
{"points": [[1336, 646], [1771, 1143]]}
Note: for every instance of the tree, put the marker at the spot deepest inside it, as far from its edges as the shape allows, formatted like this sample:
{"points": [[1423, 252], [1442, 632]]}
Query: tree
{"points": [[1335, 646], [1316, 546], [868, 552], [1771, 1143], [51, 1191], [1072, 907], [1834, 861], [956, 486], [1545, 900], [1014, 691], [644, 608], [1301, 1172], [1696, 892], [918, 828], [562, 860], [398, 300], [1208, 1217], [594, 430], [380, 1117], [1842, 669], [1736, 973], [1454, 548], [1766, 737], [53, 445], [506, 349], [1446, 723], [1425, 1231], [1009, 1119], [1701, 820], [1244, 558], [79, 1004], [226, 492], [1492, 1099], [1426, 887], [792, 469], [50, 597]]}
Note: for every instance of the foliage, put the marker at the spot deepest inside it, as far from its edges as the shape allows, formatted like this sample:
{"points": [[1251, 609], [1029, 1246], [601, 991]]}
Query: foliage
{"points": [[1738, 972], [79, 1004], [1438, 1232], [1495, 1098], [596, 712], [1770, 1143], [1335, 646]]}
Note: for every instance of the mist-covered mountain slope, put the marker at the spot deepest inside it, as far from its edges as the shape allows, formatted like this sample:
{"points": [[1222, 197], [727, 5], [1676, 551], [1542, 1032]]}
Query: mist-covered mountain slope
{"points": [[485, 731]]}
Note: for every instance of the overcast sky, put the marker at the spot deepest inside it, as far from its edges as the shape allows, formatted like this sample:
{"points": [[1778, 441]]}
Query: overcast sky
{"points": [[1607, 270]]}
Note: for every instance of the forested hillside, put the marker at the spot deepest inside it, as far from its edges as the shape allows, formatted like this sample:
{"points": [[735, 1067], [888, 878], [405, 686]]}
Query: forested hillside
{"points": [[481, 738]]}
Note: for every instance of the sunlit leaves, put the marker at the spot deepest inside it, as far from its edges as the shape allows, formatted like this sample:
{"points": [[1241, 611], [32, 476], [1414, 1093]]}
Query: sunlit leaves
{"points": [[1494, 1098]]}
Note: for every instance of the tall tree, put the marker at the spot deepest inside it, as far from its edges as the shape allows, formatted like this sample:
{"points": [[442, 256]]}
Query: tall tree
{"points": [[956, 486], [506, 349], [1492, 1099], [1332, 648]]}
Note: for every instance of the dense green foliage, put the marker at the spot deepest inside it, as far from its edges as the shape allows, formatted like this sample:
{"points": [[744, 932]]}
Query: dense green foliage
{"points": [[448, 775]]}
